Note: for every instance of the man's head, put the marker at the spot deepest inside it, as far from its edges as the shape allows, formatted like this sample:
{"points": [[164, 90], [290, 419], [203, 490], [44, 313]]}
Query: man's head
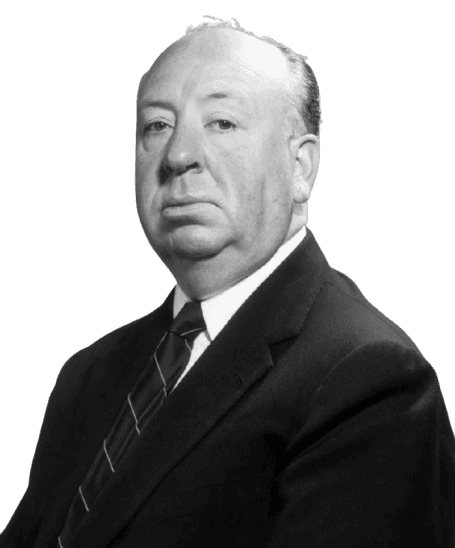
{"points": [[225, 163]]}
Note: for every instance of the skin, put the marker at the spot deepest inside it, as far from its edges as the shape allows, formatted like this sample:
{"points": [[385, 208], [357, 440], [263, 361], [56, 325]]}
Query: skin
{"points": [[222, 178]]}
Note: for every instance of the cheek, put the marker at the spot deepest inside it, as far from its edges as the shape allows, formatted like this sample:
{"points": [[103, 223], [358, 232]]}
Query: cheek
{"points": [[146, 180], [253, 177], [278, 170], [233, 170]]}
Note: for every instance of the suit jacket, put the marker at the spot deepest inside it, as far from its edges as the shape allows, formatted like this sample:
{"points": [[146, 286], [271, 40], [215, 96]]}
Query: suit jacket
{"points": [[312, 420]]}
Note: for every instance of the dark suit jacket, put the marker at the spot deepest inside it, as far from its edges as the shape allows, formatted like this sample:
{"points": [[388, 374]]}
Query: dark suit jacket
{"points": [[312, 420]]}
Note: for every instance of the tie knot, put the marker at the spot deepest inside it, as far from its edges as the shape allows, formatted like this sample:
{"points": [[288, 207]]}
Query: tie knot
{"points": [[189, 322]]}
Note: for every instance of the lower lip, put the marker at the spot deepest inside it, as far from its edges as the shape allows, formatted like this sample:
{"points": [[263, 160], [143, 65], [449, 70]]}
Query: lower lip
{"points": [[185, 210]]}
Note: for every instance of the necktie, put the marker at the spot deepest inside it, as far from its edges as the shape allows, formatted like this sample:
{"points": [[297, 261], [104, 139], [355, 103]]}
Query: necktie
{"points": [[150, 391]]}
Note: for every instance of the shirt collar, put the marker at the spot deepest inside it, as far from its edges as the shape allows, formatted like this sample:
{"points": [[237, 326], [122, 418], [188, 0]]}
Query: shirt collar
{"points": [[218, 310]]}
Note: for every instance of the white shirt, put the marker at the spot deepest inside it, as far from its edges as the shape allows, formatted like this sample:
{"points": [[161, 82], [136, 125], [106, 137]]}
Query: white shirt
{"points": [[218, 310]]}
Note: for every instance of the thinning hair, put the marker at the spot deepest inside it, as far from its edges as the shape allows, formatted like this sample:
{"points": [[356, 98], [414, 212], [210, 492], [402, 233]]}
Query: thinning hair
{"points": [[305, 94]]}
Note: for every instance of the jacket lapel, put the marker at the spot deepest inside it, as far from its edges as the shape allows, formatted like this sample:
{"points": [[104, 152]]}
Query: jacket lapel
{"points": [[221, 376], [236, 360]]}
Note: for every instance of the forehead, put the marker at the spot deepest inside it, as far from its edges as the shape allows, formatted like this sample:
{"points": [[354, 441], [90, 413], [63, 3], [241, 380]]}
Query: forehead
{"points": [[216, 62]]}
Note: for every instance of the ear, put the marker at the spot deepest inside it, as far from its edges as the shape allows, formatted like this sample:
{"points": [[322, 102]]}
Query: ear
{"points": [[305, 155]]}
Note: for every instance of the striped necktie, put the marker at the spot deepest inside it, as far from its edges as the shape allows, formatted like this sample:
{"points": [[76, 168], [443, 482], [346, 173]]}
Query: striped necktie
{"points": [[150, 391]]}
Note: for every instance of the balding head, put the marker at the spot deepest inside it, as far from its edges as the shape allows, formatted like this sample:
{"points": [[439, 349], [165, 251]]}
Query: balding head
{"points": [[229, 49]]}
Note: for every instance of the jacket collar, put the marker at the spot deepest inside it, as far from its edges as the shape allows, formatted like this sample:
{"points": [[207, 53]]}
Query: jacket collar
{"points": [[284, 300]]}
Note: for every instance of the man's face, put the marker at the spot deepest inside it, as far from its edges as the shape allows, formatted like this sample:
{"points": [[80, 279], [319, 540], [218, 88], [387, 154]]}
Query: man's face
{"points": [[214, 171]]}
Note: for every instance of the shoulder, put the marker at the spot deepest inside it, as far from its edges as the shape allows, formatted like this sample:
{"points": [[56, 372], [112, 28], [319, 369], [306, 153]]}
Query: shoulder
{"points": [[347, 350], [349, 320], [109, 356]]}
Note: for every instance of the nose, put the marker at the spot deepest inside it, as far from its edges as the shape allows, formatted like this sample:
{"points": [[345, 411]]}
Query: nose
{"points": [[184, 152]]}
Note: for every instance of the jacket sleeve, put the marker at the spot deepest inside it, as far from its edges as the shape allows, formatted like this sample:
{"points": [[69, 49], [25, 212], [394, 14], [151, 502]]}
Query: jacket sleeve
{"points": [[374, 463]]}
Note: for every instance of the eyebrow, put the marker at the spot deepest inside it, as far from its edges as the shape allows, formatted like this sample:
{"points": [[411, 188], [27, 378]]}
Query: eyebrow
{"points": [[216, 95]]}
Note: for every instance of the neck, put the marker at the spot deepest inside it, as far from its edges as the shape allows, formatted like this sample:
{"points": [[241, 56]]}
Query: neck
{"points": [[206, 278]]}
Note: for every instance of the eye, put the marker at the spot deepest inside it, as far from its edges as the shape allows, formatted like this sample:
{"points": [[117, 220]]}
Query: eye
{"points": [[223, 125], [155, 127]]}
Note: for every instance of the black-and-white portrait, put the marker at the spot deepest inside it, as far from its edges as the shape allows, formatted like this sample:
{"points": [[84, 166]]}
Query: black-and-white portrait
{"points": [[227, 278]]}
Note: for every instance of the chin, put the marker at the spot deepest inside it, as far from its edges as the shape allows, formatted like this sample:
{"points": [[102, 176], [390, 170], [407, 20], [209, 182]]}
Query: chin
{"points": [[194, 250], [195, 243]]}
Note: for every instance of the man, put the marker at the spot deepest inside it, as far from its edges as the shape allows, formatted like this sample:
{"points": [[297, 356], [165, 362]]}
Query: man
{"points": [[300, 416]]}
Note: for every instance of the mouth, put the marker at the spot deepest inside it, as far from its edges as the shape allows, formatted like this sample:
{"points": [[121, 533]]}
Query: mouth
{"points": [[186, 209]]}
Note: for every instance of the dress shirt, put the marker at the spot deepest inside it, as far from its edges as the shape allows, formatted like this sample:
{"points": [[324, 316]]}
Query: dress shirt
{"points": [[219, 309]]}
